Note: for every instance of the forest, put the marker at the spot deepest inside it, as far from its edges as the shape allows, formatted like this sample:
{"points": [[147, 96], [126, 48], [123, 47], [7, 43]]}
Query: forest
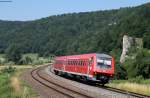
{"points": [[76, 33]]}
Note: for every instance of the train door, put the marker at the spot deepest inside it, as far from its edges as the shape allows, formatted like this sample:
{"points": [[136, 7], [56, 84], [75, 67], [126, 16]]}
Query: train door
{"points": [[90, 61], [84, 66], [80, 66]]}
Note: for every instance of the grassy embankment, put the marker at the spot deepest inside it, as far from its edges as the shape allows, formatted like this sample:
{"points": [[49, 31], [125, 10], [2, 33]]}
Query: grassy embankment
{"points": [[11, 86], [141, 86]]}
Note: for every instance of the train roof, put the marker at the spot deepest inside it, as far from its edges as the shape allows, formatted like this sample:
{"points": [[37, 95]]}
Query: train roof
{"points": [[100, 55], [103, 56]]}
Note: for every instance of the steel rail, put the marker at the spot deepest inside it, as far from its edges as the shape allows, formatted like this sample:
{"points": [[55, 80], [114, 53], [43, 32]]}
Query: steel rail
{"points": [[128, 93], [34, 77], [37, 70]]}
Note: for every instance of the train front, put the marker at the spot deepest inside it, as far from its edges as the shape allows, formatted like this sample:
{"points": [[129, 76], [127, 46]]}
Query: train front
{"points": [[104, 68]]}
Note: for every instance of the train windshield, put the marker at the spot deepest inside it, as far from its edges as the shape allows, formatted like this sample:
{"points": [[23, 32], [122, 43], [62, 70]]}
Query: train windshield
{"points": [[104, 63]]}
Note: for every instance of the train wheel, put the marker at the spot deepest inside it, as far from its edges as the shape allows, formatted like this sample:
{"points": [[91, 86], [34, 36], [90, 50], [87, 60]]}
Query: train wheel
{"points": [[103, 84], [84, 79], [74, 76], [56, 72]]}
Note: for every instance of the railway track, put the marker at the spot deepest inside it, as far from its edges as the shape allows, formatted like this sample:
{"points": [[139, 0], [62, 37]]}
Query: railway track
{"points": [[69, 93], [129, 94], [55, 86]]}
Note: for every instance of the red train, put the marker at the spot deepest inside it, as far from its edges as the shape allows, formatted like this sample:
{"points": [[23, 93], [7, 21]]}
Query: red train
{"points": [[90, 67]]}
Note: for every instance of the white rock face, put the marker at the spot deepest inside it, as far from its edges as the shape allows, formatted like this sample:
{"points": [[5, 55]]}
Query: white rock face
{"points": [[127, 42]]}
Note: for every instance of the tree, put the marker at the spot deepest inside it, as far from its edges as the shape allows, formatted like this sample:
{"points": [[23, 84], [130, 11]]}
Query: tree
{"points": [[14, 52], [139, 66], [147, 40]]}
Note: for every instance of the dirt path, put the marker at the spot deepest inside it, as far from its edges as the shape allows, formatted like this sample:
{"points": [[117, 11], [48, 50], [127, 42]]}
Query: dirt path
{"points": [[43, 92]]}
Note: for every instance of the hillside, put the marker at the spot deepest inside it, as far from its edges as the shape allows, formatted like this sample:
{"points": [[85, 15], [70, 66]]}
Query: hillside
{"points": [[75, 33]]}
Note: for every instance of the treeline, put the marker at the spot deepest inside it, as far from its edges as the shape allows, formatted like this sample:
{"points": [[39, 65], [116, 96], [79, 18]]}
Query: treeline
{"points": [[76, 33]]}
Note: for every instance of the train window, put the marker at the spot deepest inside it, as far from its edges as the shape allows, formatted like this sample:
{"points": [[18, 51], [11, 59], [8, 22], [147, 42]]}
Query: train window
{"points": [[84, 63], [70, 62], [78, 63], [75, 62], [81, 63], [104, 64]]}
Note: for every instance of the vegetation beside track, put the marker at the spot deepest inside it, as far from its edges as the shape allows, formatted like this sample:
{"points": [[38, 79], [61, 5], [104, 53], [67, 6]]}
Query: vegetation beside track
{"points": [[77, 33], [28, 59], [135, 73], [11, 86], [133, 85]]}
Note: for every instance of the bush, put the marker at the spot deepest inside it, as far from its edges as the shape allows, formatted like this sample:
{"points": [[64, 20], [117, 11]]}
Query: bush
{"points": [[14, 52], [138, 79], [9, 69], [29, 58], [146, 38], [139, 65], [33, 59]]}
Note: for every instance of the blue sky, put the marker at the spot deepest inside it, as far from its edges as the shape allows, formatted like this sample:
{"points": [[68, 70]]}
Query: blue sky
{"points": [[35, 9]]}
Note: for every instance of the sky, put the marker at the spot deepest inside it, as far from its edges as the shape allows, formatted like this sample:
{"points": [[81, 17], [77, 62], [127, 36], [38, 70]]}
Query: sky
{"points": [[23, 10]]}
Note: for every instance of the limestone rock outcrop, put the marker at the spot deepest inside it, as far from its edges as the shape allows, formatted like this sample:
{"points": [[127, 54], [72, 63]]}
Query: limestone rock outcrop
{"points": [[129, 42]]}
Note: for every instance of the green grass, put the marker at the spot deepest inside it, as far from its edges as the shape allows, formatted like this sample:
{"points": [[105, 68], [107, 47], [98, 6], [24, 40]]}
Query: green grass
{"points": [[141, 87], [147, 81], [6, 90], [142, 81], [11, 86]]}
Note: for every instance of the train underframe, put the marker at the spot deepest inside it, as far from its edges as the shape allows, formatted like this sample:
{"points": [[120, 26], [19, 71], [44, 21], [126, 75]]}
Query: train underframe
{"points": [[98, 78]]}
